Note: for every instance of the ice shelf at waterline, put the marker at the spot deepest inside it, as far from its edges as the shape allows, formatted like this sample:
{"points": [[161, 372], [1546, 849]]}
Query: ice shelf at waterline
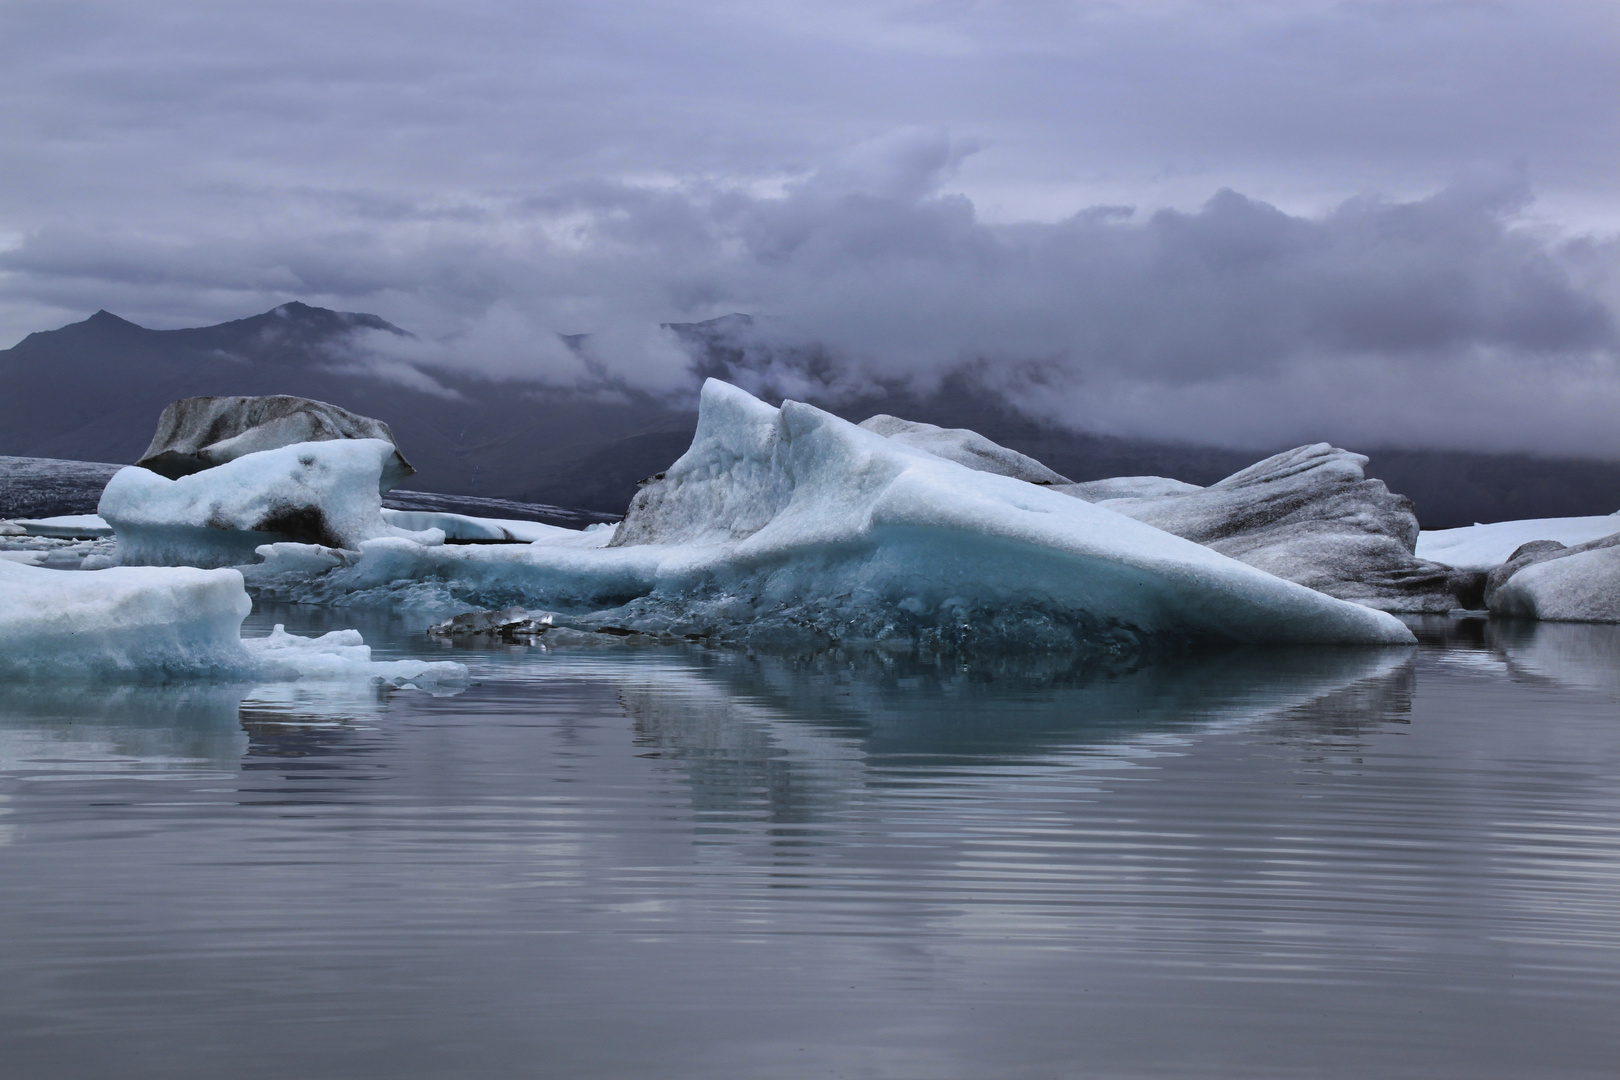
{"points": [[168, 622], [791, 523]]}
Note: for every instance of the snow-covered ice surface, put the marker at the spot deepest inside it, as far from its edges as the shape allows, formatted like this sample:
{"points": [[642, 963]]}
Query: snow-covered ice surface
{"points": [[315, 492], [1481, 547], [168, 622], [793, 525]]}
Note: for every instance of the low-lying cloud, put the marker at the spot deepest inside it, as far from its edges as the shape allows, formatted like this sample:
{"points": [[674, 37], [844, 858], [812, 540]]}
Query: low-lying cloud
{"points": [[1439, 321]]}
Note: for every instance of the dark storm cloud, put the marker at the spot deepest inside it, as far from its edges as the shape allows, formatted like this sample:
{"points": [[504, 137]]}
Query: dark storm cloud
{"points": [[903, 184]]}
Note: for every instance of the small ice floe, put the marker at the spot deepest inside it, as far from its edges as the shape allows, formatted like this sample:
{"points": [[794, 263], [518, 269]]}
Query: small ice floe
{"points": [[343, 654], [168, 623]]}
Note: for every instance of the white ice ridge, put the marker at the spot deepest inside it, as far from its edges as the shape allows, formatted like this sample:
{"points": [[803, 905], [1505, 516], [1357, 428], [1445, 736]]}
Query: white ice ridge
{"points": [[1481, 547], [313, 492], [791, 522], [167, 622]]}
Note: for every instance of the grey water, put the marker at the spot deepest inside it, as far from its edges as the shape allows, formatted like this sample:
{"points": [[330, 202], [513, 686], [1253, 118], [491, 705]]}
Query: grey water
{"points": [[690, 862]]}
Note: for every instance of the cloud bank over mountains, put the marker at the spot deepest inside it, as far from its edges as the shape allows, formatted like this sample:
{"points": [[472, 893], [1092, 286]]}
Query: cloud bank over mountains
{"points": [[1248, 224]]}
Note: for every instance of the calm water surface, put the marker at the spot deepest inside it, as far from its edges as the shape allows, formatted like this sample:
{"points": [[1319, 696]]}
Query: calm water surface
{"points": [[695, 863]]}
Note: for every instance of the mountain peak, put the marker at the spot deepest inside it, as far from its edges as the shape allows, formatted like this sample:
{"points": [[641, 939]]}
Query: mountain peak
{"points": [[104, 317]]}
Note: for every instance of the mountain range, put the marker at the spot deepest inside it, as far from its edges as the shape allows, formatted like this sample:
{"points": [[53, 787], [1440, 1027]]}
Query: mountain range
{"points": [[93, 390]]}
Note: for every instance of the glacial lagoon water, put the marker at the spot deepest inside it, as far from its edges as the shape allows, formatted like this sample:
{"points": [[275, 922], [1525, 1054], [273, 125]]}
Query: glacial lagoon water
{"points": [[690, 862]]}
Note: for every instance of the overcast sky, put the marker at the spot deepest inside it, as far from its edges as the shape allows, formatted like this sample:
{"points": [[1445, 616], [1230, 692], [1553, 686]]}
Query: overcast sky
{"points": [[1237, 221]]}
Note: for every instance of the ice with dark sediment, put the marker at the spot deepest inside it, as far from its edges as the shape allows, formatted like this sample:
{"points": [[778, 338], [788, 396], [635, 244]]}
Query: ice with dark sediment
{"points": [[318, 492], [1549, 581], [200, 433], [1312, 516]]}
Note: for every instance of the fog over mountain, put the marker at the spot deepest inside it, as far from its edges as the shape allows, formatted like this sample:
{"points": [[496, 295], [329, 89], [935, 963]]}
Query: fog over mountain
{"points": [[93, 390], [1240, 225]]}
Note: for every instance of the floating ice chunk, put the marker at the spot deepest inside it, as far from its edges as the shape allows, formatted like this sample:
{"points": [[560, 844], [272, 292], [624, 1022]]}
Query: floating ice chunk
{"points": [[199, 433], [317, 492], [343, 654], [1482, 547], [784, 522], [150, 621], [168, 622], [963, 447]]}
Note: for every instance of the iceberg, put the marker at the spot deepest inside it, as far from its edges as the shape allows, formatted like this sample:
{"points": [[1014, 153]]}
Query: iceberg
{"points": [[324, 493], [173, 621], [169, 622], [791, 524], [1483, 547], [200, 433]]}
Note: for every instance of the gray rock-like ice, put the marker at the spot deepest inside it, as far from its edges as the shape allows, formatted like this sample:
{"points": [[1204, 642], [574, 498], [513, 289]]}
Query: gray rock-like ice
{"points": [[1309, 515], [1312, 516], [203, 432], [1548, 581]]}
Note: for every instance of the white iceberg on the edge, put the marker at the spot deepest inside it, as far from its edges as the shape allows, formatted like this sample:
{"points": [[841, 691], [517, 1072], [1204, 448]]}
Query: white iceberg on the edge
{"points": [[168, 622], [1482, 547], [791, 522], [315, 492], [160, 621]]}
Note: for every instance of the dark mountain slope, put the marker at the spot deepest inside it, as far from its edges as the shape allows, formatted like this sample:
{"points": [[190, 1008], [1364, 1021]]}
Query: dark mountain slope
{"points": [[93, 390]]}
